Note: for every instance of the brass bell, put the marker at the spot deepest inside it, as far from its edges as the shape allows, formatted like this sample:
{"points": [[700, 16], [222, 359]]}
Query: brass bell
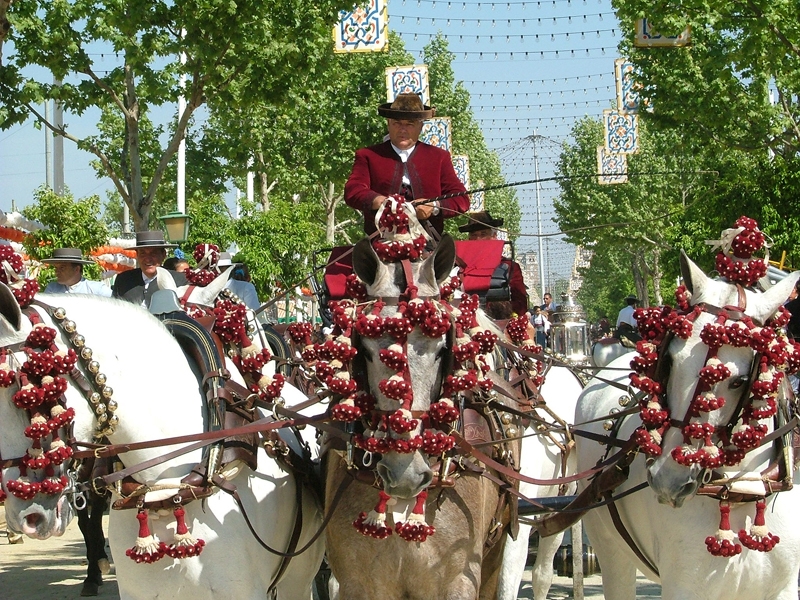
{"points": [[100, 379], [59, 313], [78, 340], [623, 400], [93, 366], [107, 392], [69, 326], [512, 432], [608, 425], [86, 353], [100, 409], [112, 405], [506, 418], [113, 421], [94, 398]]}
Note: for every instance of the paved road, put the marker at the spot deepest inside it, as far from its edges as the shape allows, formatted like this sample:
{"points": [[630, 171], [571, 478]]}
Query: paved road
{"points": [[55, 569]]}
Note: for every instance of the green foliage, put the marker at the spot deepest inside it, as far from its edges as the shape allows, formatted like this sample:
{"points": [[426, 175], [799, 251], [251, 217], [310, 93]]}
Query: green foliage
{"points": [[246, 43], [717, 89], [277, 245], [69, 223]]}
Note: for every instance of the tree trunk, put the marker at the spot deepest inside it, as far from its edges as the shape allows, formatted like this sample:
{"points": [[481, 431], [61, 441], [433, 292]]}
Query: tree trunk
{"points": [[656, 275], [264, 185], [329, 201], [140, 206], [5, 26], [639, 270]]}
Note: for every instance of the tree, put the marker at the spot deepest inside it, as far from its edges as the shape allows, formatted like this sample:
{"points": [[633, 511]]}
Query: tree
{"points": [[69, 223], [719, 87], [260, 47], [637, 218]]}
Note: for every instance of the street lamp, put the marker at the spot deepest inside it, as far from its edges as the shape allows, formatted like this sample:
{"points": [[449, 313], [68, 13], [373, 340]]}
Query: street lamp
{"points": [[177, 225]]}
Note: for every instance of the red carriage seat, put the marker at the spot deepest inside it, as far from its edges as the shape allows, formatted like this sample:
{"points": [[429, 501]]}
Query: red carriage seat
{"points": [[484, 272], [340, 265]]}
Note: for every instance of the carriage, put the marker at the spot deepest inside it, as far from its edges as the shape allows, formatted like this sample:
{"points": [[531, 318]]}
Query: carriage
{"points": [[440, 485]]}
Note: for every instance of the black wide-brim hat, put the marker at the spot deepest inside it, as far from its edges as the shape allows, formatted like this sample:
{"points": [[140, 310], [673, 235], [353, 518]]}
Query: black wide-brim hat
{"points": [[631, 298], [407, 107], [480, 220], [152, 239], [67, 255]]}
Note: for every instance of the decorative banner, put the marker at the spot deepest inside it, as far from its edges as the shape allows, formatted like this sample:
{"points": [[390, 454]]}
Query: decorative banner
{"points": [[611, 168], [411, 79], [648, 37], [621, 132], [437, 132], [461, 165], [364, 29], [476, 200], [627, 96]]}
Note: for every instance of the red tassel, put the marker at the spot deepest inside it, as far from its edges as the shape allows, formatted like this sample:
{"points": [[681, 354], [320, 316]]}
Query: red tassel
{"points": [[722, 543], [374, 524], [184, 545], [759, 538], [416, 529], [147, 548]]}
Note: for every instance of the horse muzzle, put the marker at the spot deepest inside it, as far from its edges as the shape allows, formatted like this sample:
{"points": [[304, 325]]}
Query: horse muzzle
{"points": [[38, 521], [404, 475], [673, 483]]}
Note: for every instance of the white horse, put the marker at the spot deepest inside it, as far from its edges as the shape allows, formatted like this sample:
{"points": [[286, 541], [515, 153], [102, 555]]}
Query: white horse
{"points": [[606, 350], [157, 396], [541, 458], [668, 522]]}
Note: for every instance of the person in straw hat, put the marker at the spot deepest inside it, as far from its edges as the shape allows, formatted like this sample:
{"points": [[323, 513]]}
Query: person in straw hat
{"points": [[68, 264], [138, 285], [404, 165]]}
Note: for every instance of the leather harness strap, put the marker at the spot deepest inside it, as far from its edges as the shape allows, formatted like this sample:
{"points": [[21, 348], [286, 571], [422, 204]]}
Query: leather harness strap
{"points": [[623, 531]]}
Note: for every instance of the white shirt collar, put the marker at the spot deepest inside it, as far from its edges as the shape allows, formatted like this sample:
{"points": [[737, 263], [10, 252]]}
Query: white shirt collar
{"points": [[404, 154]]}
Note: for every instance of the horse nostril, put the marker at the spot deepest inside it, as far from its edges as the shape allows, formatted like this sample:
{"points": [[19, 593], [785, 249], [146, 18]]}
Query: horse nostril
{"points": [[32, 520]]}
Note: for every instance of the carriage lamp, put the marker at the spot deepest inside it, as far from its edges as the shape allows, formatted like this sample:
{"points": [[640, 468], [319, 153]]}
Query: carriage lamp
{"points": [[177, 224]]}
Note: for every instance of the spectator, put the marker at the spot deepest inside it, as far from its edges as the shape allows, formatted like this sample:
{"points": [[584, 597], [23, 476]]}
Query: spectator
{"points": [[239, 282], [404, 165], [626, 322], [548, 305], [541, 325], [138, 285], [68, 264], [173, 263]]}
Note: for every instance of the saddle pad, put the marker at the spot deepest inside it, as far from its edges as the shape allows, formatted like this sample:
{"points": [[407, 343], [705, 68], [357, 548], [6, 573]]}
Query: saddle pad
{"points": [[340, 265], [481, 258]]}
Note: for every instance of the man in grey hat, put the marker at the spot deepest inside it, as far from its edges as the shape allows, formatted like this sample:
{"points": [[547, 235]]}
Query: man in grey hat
{"points": [[68, 264], [404, 165], [138, 285]]}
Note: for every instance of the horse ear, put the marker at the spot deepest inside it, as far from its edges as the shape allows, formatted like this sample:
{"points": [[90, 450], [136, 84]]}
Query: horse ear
{"points": [[444, 258], [776, 296], [693, 277], [9, 308], [365, 261]]}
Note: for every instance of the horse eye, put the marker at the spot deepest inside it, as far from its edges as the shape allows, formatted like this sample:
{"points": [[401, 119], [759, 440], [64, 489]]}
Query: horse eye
{"points": [[738, 382]]}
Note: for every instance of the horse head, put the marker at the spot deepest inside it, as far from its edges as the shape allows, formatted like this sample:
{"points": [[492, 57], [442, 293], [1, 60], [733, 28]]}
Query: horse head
{"points": [[405, 474], [722, 344], [46, 515]]}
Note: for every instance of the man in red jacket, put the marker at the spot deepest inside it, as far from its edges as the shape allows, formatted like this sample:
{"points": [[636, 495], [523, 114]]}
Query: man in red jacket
{"points": [[404, 165]]}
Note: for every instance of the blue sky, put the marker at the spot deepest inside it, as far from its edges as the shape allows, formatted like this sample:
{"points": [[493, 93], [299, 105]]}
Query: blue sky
{"points": [[529, 67]]}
